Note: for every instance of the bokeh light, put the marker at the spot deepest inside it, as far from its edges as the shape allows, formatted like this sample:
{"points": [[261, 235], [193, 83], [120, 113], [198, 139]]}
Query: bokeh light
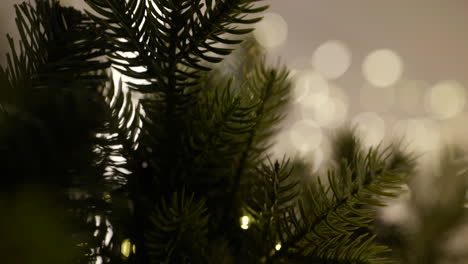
{"points": [[446, 99], [332, 59], [329, 112], [245, 221], [278, 246], [419, 135], [310, 88], [272, 31], [370, 128], [305, 136], [396, 212], [126, 247], [382, 68]]}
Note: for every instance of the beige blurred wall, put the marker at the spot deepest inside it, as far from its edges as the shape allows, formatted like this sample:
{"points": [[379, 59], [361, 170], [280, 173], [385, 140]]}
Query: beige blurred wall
{"points": [[430, 35]]}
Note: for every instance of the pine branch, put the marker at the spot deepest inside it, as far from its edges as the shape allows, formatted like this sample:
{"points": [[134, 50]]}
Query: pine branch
{"points": [[179, 233], [268, 90], [216, 124], [329, 227], [172, 39], [272, 194], [51, 91]]}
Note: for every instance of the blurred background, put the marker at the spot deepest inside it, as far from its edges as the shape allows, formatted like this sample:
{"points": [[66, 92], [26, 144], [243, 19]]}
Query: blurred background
{"points": [[396, 70], [392, 68]]}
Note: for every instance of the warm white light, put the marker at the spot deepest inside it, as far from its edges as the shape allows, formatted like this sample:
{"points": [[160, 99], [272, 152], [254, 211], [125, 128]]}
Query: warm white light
{"points": [[98, 260], [397, 212], [245, 221], [107, 197], [305, 136], [382, 68], [420, 135], [126, 247], [446, 99], [310, 88], [332, 59], [278, 246], [328, 112], [341, 104], [321, 112], [272, 31], [370, 127]]}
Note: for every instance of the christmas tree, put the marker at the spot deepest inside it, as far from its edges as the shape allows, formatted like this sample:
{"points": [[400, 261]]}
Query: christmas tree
{"points": [[171, 163]]}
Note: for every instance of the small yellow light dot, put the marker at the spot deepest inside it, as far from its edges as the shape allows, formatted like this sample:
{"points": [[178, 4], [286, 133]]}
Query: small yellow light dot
{"points": [[126, 247], [278, 246], [245, 222], [107, 197]]}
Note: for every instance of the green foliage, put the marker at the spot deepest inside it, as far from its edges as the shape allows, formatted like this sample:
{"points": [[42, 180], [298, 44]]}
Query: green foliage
{"points": [[179, 233], [53, 112], [271, 196], [328, 226], [330, 223]]}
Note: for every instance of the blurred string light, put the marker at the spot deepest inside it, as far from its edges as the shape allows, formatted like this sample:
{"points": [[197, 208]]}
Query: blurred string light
{"points": [[284, 146], [370, 127], [397, 212], [445, 99], [245, 222], [330, 112], [382, 68], [107, 197], [332, 59], [419, 135], [305, 136], [126, 247], [278, 246], [318, 100], [272, 31], [310, 87]]}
